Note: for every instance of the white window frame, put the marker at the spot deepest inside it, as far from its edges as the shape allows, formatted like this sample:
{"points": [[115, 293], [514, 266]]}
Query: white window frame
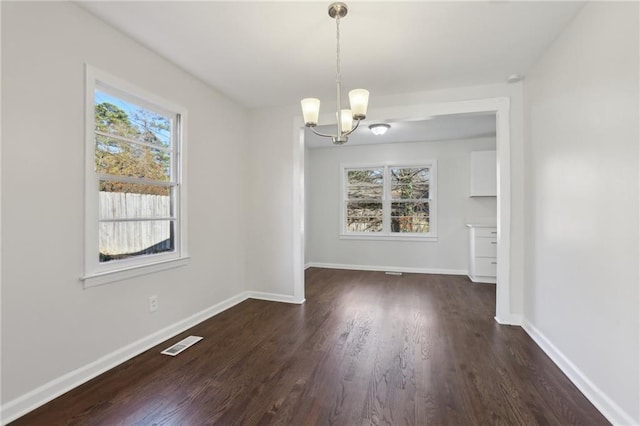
{"points": [[386, 233], [96, 272]]}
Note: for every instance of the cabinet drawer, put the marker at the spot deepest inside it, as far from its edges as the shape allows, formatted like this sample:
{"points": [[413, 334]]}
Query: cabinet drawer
{"points": [[486, 232], [486, 247], [485, 266]]}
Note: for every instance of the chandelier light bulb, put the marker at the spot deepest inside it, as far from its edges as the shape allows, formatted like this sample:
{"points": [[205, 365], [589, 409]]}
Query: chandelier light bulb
{"points": [[310, 111], [347, 120], [359, 98]]}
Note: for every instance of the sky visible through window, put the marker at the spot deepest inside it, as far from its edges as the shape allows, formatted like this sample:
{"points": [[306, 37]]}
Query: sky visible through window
{"points": [[163, 135]]}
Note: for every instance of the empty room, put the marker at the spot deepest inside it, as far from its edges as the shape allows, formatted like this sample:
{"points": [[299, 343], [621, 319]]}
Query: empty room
{"points": [[310, 213]]}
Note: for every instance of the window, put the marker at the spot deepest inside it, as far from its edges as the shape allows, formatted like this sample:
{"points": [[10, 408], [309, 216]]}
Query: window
{"points": [[133, 181], [364, 201], [389, 201]]}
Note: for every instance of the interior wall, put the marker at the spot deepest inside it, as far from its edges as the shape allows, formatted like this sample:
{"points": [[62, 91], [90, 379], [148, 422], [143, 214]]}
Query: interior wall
{"points": [[50, 324], [449, 254], [269, 217], [582, 233]]}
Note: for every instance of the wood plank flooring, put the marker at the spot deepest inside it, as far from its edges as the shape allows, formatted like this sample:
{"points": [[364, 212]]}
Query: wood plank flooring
{"points": [[365, 349]]}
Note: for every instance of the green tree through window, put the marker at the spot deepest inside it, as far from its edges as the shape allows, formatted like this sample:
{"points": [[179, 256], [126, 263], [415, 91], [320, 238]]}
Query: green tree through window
{"points": [[133, 159], [118, 157]]}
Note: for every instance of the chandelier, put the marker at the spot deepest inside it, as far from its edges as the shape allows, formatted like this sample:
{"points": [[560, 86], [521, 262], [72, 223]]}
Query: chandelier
{"points": [[358, 98]]}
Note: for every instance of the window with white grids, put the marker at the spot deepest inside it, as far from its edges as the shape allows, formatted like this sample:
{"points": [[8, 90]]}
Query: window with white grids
{"points": [[389, 201], [133, 191]]}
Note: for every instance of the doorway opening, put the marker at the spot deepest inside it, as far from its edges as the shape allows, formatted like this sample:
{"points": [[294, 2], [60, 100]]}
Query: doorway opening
{"points": [[496, 106]]}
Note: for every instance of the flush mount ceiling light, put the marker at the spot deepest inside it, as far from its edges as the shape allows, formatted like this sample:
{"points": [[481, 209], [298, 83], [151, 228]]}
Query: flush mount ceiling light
{"points": [[514, 78], [379, 129], [358, 98]]}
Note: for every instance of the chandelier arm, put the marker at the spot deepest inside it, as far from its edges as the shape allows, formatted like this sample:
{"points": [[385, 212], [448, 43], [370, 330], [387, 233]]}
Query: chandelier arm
{"points": [[320, 134]]}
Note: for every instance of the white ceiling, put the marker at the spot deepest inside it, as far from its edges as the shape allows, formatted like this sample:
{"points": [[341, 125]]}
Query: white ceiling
{"points": [[275, 53], [446, 127]]}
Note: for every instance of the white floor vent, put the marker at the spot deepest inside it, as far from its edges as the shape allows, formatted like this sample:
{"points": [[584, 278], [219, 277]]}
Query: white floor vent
{"points": [[181, 345], [393, 273]]}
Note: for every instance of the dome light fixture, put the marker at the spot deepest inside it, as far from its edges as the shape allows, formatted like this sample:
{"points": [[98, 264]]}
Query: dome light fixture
{"points": [[379, 129], [514, 78], [358, 98]]}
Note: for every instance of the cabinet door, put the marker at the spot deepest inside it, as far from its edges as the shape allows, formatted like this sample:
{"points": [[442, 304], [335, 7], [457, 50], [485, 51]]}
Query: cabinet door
{"points": [[485, 266], [486, 247], [483, 174]]}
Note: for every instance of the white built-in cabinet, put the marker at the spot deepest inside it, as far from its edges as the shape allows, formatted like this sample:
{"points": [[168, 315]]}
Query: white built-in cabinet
{"points": [[483, 252], [483, 174]]}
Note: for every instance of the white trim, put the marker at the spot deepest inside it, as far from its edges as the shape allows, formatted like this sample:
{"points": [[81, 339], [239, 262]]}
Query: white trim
{"points": [[273, 297], [381, 236], [503, 164], [387, 200], [501, 107], [133, 271], [56, 387], [45, 393], [612, 411], [142, 264], [133, 93], [511, 319], [134, 142], [298, 207], [482, 280], [438, 271]]}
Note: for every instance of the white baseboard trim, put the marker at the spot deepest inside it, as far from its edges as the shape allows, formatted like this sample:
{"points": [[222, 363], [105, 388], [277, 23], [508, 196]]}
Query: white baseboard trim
{"points": [[45, 393], [598, 398], [53, 389], [483, 280], [407, 270], [510, 319], [273, 297]]}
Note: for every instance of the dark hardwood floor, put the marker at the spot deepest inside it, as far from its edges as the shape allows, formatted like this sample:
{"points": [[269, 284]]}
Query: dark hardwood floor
{"points": [[366, 348]]}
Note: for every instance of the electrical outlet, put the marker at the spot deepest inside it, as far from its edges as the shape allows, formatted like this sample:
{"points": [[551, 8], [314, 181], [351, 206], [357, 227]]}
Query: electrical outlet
{"points": [[153, 303]]}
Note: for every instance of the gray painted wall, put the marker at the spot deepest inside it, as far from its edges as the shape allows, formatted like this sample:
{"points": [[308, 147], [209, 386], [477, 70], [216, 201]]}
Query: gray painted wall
{"points": [[50, 325], [454, 206], [582, 277]]}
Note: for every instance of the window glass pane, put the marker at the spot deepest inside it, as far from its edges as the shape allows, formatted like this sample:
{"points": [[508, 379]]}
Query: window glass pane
{"points": [[409, 174], [364, 192], [123, 118], [409, 183], [410, 217], [410, 191], [364, 184], [122, 240], [123, 200], [364, 217], [372, 176], [120, 158]]}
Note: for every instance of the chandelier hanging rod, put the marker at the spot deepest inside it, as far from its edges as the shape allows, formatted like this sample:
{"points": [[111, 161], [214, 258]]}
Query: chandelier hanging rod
{"points": [[358, 98]]}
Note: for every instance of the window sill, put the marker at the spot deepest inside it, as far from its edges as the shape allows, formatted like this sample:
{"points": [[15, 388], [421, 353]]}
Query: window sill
{"points": [[387, 237], [100, 278]]}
